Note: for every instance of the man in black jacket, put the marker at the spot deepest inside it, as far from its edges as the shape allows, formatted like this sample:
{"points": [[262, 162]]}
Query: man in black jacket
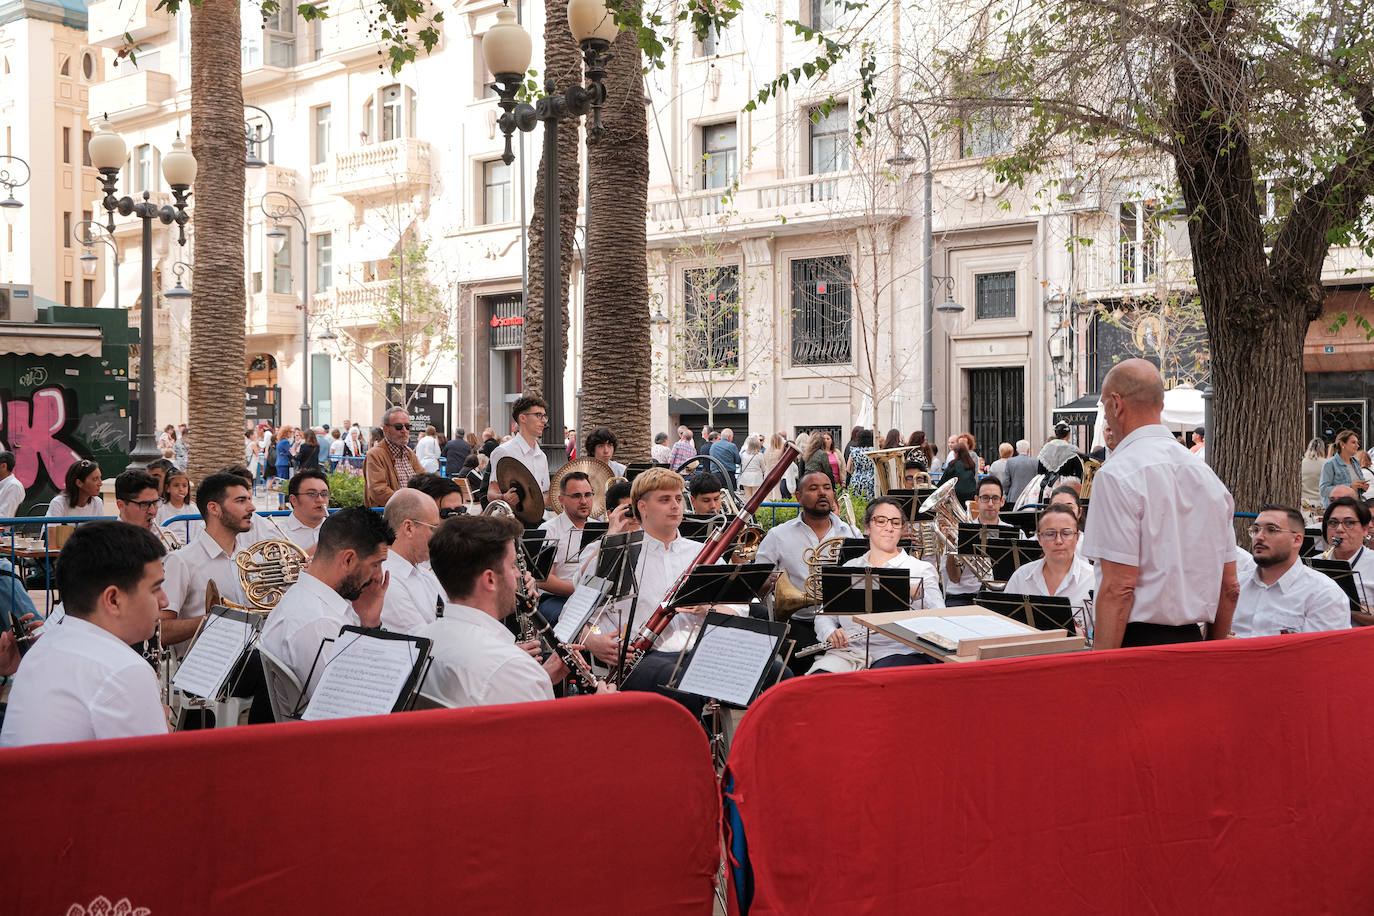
{"points": [[456, 451]]}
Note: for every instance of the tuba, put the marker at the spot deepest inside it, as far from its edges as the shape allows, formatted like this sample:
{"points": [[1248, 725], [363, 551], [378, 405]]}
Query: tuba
{"points": [[787, 597], [889, 469]]}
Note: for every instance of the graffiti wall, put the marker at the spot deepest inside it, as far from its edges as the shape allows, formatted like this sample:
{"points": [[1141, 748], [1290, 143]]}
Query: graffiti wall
{"points": [[57, 410]]}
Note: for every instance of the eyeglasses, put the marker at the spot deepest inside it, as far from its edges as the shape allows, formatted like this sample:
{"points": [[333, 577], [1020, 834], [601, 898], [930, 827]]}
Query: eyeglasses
{"points": [[400, 427], [1346, 523], [537, 416], [1270, 530], [451, 510], [313, 494], [431, 526], [1059, 534], [145, 504], [885, 521], [990, 499]]}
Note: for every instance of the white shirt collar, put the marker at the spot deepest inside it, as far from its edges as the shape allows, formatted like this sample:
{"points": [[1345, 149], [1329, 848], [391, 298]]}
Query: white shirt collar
{"points": [[466, 613], [1285, 582], [1149, 431], [331, 599]]}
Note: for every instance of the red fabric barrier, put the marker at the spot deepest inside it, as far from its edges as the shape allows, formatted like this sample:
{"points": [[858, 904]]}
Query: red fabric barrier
{"points": [[1215, 778], [596, 805]]}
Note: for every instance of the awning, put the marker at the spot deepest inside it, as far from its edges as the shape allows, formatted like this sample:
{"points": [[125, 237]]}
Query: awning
{"points": [[1082, 412], [1183, 408], [49, 340], [370, 243], [130, 281]]}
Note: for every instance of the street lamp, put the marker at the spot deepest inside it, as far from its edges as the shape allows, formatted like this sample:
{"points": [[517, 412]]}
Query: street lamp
{"points": [[178, 291], [506, 48], [949, 310], [11, 181], [94, 232], [254, 138], [179, 169], [277, 206]]}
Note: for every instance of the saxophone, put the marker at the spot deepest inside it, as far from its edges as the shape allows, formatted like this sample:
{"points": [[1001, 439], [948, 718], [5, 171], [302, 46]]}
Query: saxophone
{"points": [[1335, 542], [525, 605]]}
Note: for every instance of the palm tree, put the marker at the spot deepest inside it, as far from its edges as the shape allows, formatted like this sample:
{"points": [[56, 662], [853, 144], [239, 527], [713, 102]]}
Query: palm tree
{"points": [[218, 374], [615, 358]]}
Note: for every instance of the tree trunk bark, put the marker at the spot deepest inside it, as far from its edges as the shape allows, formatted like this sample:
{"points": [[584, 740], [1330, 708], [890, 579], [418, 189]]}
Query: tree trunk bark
{"points": [[615, 359], [562, 62], [218, 375]]}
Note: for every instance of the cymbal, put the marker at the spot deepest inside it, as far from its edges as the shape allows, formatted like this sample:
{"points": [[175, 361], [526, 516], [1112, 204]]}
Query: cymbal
{"points": [[597, 470], [511, 472]]}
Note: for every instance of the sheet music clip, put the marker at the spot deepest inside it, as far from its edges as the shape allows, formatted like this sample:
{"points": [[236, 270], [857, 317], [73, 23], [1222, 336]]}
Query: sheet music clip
{"points": [[864, 590], [1340, 572], [617, 561], [730, 659], [1044, 612], [729, 584], [539, 552]]}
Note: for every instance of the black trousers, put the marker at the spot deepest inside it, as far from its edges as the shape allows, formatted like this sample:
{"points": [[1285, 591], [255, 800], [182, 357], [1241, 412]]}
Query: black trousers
{"points": [[1158, 634]]}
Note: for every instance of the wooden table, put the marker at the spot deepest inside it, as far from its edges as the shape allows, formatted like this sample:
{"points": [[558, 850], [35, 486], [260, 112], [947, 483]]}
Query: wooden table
{"points": [[1028, 641]]}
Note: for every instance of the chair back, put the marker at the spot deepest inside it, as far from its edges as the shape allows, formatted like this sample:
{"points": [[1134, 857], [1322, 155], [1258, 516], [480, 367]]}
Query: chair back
{"points": [[283, 687]]}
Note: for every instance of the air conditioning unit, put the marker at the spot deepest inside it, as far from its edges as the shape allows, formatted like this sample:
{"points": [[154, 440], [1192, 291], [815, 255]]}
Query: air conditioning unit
{"points": [[17, 303]]}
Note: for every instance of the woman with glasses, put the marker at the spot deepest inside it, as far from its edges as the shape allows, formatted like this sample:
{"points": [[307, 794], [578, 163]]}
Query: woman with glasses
{"points": [[80, 496], [1061, 573], [1342, 468], [852, 644], [1345, 525]]}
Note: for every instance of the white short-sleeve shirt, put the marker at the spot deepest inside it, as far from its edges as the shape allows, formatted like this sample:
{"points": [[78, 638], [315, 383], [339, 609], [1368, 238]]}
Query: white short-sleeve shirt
{"points": [[11, 495], [568, 537], [1301, 601], [1158, 508], [60, 508], [477, 663], [1029, 579], [531, 456], [412, 596], [81, 682], [785, 545], [189, 569], [309, 613]]}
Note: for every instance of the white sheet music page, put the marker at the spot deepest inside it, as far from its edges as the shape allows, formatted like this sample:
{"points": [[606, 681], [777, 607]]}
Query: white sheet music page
{"points": [[207, 663], [363, 676], [965, 626], [727, 664], [578, 609]]}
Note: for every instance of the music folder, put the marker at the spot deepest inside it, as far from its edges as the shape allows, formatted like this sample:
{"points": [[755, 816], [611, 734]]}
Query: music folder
{"points": [[731, 658], [367, 672], [617, 560], [1339, 571], [216, 658], [1009, 553], [864, 590], [733, 583], [539, 552], [635, 468], [1044, 612]]}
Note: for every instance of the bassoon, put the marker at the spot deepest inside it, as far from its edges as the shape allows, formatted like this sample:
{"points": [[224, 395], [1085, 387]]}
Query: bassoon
{"points": [[711, 551]]}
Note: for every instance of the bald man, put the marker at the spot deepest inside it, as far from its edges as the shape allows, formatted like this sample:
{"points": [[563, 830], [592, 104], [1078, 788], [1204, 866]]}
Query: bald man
{"points": [[1160, 527]]}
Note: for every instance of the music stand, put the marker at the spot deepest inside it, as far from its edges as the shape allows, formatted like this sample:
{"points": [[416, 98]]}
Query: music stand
{"points": [[1044, 612], [635, 468], [698, 527], [539, 553], [369, 672], [973, 538], [1310, 536], [218, 655], [617, 561], [1023, 520], [1007, 554], [592, 532], [730, 659], [733, 583], [864, 590], [852, 549], [1340, 572], [906, 502]]}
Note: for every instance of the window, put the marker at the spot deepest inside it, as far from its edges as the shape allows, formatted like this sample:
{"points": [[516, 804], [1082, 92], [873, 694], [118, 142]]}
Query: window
{"points": [[281, 266], [88, 65], [496, 192], [85, 147], [719, 153], [986, 133], [66, 70], [392, 128], [997, 405], [368, 132], [825, 14], [710, 320], [395, 363], [320, 118], [324, 261], [279, 36], [88, 293], [829, 136], [86, 216], [67, 293], [715, 42], [1138, 230], [317, 35], [144, 173], [481, 75], [821, 311], [67, 145], [67, 229], [994, 295]]}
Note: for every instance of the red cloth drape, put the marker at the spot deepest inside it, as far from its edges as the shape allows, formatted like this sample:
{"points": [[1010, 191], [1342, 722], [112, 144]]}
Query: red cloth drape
{"points": [[1216, 778], [596, 805]]}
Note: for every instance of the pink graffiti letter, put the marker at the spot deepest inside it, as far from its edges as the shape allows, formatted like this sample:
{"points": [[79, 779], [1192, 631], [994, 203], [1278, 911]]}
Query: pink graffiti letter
{"points": [[32, 425]]}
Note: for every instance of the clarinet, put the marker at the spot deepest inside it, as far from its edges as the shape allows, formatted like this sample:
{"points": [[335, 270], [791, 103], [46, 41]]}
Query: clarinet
{"points": [[525, 605], [581, 672], [712, 551]]}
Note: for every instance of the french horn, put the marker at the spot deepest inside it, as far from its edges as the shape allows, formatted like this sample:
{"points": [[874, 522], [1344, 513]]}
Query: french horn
{"points": [[787, 597]]}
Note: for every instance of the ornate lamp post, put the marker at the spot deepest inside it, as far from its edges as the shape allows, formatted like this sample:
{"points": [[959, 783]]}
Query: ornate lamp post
{"points": [[277, 206], [108, 150], [94, 232], [11, 180], [507, 47]]}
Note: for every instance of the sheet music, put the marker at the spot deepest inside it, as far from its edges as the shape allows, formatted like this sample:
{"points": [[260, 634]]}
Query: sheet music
{"points": [[973, 626], [727, 664], [364, 676], [211, 658], [578, 609]]}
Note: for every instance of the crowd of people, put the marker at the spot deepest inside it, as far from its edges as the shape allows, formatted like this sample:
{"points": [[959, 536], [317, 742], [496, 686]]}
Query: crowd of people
{"points": [[1151, 558]]}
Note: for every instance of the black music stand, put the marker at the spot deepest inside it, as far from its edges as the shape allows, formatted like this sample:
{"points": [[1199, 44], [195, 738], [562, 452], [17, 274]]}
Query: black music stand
{"points": [[1007, 554], [698, 527], [348, 689], [617, 561], [1340, 572], [906, 502], [864, 590], [592, 531], [1310, 536], [210, 658], [635, 468], [1044, 612], [1023, 520], [539, 553], [732, 583], [730, 659]]}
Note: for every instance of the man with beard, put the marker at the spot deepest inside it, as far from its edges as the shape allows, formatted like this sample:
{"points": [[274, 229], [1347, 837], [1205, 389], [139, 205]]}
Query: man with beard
{"points": [[1283, 594], [344, 585], [576, 496], [785, 545], [225, 502]]}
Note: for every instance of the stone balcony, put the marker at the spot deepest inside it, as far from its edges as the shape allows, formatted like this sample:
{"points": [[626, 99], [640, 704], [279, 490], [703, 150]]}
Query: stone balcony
{"points": [[789, 207], [376, 170], [352, 306], [273, 314], [139, 93], [110, 20]]}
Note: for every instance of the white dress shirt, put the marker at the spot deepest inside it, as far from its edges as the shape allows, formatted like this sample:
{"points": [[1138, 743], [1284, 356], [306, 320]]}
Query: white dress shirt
{"points": [[880, 645], [309, 613], [11, 495], [298, 532], [1301, 601], [427, 451], [784, 545], [528, 455], [261, 528], [187, 571], [412, 596], [476, 662], [81, 682], [1029, 579], [1158, 508], [1363, 564], [60, 508], [568, 558]]}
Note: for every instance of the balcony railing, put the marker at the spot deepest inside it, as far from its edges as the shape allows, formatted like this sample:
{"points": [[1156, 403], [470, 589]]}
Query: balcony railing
{"points": [[1135, 267], [273, 313], [379, 168], [351, 305], [141, 92], [797, 203], [110, 20]]}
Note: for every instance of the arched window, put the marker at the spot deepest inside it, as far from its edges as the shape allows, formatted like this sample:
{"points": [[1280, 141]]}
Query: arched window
{"points": [[65, 67], [262, 371]]}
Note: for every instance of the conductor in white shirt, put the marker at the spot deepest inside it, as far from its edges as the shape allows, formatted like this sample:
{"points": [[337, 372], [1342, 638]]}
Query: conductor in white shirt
{"points": [[11, 490], [344, 584], [412, 595], [1283, 594], [475, 661], [81, 680], [1160, 526]]}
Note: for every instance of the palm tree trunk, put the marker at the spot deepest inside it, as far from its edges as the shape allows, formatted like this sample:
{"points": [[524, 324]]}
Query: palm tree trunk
{"points": [[616, 345], [218, 375], [562, 63]]}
